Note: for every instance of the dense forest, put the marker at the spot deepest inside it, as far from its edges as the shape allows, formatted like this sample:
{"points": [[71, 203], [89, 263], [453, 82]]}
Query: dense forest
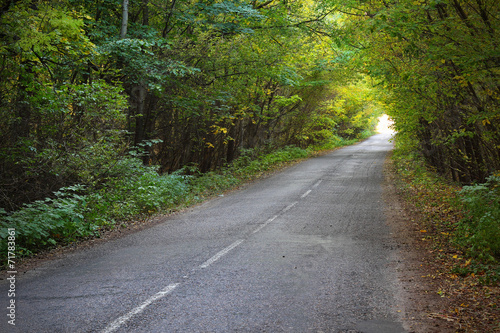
{"points": [[191, 82], [101, 100]]}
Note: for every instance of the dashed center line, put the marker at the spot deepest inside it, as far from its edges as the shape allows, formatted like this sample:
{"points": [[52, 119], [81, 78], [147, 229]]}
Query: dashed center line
{"points": [[221, 253], [305, 194], [290, 206], [317, 183], [167, 290], [265, 223], [126, 317]]}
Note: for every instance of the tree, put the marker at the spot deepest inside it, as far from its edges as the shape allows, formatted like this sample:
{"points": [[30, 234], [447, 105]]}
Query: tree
{"points": [[123, 30], [439, 59], [55, 116]]}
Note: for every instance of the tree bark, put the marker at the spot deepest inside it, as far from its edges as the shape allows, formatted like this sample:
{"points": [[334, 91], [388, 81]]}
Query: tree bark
{"points": [[145, 12], [123, 30], [167, 20]]}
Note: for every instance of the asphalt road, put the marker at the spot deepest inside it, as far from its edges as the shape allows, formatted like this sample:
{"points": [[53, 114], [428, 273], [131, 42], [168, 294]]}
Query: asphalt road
{"points": [[305, 250]]}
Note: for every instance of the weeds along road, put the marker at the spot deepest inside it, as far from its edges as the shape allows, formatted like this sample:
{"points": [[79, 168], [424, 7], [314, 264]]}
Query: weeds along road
{"points": [[305, 250]]}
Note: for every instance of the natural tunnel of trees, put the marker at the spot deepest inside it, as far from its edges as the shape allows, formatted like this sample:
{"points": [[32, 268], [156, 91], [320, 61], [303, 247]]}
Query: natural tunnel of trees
{"points": [[439, 60], [84, 85]]}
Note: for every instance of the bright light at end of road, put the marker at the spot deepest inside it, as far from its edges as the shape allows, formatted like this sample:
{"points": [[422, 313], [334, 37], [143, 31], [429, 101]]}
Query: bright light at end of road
{"points": [[385, 125]]}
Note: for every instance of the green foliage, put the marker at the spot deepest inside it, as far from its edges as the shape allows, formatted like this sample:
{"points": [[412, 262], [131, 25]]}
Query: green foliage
{"points": [[78, 211], [45, 222], [462, 220], [332, 142], [208, 184], [141, 64], [140, 190], [436, 61], [479, 231], [76, 138], [46, 30], [265, 162], [227, 17]]}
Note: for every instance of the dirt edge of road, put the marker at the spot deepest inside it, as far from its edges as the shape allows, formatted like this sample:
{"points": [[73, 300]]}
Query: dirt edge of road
{"points": [[422, 306]]}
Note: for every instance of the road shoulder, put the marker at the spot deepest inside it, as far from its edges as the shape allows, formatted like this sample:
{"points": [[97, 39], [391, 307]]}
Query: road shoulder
{"points": [[423, 307]]}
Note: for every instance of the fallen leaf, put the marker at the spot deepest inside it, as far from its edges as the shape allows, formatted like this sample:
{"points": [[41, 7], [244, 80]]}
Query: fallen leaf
{"points": [[437, 315]]}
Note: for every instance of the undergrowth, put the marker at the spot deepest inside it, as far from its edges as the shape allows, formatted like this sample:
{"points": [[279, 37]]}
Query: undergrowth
{"points": [[463, 222], [478, 232]]}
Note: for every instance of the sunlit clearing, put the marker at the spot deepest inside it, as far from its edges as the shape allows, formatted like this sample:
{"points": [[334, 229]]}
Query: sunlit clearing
{"points": [[385, 125]]}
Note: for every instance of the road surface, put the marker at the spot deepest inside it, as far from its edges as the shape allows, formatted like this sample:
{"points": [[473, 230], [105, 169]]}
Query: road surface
{"points": [[305, 250]]}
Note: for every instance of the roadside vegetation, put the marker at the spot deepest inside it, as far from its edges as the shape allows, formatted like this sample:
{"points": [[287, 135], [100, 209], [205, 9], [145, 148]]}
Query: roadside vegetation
{"points": [[438, 66], [459, 227]]}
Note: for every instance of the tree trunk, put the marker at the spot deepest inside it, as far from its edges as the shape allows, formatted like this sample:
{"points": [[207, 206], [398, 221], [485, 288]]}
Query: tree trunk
{"points": [[123, 31], [145, 12]]}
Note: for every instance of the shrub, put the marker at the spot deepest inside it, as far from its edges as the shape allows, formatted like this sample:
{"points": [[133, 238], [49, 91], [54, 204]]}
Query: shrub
{"points": [[45, 222], [210, 183], [479, 231], [265, 162], [73, 214], [133, 189]]}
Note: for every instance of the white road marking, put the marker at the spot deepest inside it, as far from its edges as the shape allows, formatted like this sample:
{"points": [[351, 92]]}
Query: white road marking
{"points": [[123, 319], [287, 208], [221, 253], [317, 183], [167, 290], [259, 228], [306, 194]]}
